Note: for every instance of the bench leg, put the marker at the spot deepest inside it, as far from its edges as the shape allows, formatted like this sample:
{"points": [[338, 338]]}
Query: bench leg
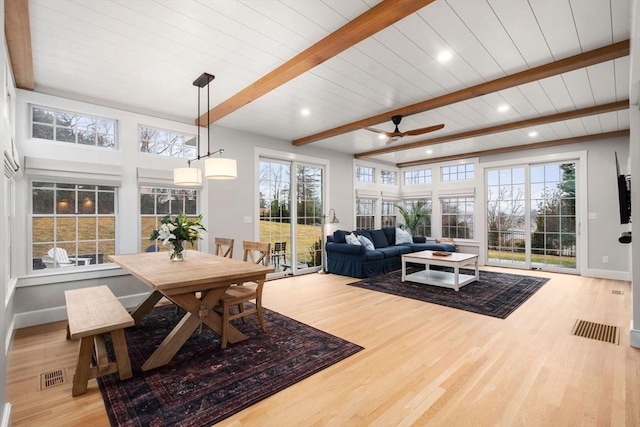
{"points": [[122, 354], [81, 377]]}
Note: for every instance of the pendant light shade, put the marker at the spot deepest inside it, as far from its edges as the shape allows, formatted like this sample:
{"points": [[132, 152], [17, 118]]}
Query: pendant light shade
{"points": [[214, 168], [188, 177], [220, 168]]}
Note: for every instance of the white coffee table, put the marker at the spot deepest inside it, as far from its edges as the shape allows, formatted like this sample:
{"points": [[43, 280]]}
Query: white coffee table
{"points": [[445, 279]]}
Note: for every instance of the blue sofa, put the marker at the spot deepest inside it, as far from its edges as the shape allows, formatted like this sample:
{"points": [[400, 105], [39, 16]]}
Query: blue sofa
{"points": [[356, 261]]}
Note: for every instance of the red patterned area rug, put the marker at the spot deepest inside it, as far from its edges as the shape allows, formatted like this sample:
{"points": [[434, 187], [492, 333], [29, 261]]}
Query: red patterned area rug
{"points": [[203, 384], [495, 294]]}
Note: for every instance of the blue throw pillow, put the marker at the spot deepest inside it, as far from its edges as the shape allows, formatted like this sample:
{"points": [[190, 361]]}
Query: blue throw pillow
{"points": [[339, 236], [390, 232], [403, 236], [368, 244], [379, 239]]}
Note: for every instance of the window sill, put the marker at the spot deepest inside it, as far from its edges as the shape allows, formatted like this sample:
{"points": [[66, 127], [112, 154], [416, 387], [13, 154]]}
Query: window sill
{"points": [[66, 275]]}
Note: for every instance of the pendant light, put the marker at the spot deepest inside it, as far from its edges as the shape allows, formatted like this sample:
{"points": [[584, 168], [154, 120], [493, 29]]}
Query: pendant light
{"points": [[214, 168]]}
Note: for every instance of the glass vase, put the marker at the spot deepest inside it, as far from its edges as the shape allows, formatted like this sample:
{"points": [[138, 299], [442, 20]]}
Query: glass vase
{"points": [[177, 251]]}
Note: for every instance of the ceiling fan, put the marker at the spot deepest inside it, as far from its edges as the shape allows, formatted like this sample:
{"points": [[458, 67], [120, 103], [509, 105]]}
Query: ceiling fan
{"points": [[396, 134]]}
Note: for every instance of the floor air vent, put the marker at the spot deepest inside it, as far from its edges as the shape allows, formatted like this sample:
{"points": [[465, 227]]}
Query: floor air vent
{"points": [[597, 331], [53, 378]]}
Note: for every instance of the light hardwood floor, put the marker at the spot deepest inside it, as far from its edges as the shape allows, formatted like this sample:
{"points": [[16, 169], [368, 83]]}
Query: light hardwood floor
{"points": [[423, 364]]}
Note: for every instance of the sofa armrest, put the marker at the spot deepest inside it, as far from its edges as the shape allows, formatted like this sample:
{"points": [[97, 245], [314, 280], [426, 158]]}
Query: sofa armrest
{"points": [[344, 248]]}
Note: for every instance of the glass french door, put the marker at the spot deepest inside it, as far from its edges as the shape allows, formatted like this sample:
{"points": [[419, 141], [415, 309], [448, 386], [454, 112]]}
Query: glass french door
{"points": [[291, 207], [532, 217]]}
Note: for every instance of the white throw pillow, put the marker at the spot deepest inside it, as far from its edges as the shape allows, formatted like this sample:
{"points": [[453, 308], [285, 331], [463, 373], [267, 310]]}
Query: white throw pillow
{"points": [[403, 236], [352, 239], [368, 244]]}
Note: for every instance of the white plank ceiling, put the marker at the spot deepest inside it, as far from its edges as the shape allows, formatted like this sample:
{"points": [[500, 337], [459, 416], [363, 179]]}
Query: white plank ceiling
{"points": [[143, 55]]}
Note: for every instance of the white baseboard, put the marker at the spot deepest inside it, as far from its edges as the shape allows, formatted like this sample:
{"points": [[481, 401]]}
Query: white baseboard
{"points": [[55, 314], [634, 337], [607, 274], [9, 338], [6, 414]]}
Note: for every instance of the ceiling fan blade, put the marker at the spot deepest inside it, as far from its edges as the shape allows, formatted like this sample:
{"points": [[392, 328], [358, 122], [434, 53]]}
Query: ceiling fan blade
{"points": [[424, 130], [379, 131], [393, 139]]}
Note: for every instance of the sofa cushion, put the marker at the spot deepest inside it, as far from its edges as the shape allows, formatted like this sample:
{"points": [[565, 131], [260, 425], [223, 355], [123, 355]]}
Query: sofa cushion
{"points": [[352, 239], [394, 251], [403, 237], [390, 232], [379, 239], [416, 247], [339, 236], [368, 244]]}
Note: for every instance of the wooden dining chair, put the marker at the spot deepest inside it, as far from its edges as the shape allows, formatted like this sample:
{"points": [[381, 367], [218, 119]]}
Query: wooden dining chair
{"points": [[258, 253], [224, 247]]}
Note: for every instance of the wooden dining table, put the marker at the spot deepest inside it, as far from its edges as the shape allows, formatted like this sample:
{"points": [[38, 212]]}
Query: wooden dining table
{"points": [[203, 273]]}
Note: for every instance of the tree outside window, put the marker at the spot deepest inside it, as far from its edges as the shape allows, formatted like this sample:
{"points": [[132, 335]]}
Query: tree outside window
{"points": [[457, 217]]}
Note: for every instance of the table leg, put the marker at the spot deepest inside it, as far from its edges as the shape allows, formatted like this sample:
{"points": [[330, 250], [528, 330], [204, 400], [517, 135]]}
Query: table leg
{"points": [[197, 311], [172, 343], [145, 306], [404, 269], [477, 271], [456, 277]]}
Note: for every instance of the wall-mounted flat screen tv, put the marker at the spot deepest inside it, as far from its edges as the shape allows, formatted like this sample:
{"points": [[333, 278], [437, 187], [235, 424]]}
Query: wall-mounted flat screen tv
{"points": [[624, 195]]}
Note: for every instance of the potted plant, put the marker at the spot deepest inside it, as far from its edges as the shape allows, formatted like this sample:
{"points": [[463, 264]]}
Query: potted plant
{"points": [[413, 217]]}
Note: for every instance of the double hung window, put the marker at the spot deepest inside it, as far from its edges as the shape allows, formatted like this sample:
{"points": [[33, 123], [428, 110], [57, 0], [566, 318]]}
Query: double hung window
{"points": [[388, 214], [156, 203], [457, 217], [365, 214], [72, 224]]}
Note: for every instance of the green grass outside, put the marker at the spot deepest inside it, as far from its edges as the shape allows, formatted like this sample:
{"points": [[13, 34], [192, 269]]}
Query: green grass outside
{"points": [[552, 260], [308, 235]]}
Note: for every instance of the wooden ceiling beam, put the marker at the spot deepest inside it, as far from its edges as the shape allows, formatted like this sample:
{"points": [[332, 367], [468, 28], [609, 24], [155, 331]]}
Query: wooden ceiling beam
{"points": [[596, 56], [364, 26], [18, 35], [567, 115], [543, 144]]}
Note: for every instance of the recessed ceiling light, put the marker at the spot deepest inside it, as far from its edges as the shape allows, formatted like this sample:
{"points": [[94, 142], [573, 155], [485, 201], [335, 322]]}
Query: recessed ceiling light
{"points": [[503, 108], [305, 112], [382, 136], [429, 151], [533, 134], [445, 56]]}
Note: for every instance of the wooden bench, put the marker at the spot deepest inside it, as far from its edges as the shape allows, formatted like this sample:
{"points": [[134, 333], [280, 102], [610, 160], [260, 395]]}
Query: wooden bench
{"points": [[93, 312]]}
